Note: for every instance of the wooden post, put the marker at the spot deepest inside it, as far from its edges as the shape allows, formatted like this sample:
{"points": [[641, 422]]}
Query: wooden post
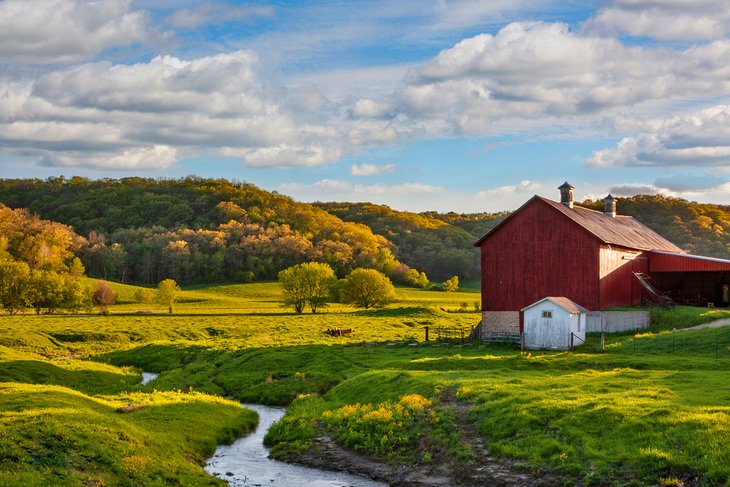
{"points": [[426, 332], [571, 341], [634, 340], [522, 341], [603, 342]]}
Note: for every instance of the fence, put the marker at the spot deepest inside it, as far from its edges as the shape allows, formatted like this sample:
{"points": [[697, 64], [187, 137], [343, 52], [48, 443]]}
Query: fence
{"points": [[448, 333]]}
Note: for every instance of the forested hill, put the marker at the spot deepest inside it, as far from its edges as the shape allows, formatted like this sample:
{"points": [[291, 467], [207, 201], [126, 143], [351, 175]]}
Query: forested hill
{"points": [[196, 230], [699, 228], [204, 230], [439, 244]]}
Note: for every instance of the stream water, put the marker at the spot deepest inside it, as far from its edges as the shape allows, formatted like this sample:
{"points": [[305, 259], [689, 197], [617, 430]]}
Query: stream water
{"points": [[246, 463]]}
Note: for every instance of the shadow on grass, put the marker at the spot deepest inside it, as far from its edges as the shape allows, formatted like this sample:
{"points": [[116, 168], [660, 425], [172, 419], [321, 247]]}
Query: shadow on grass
{"points": [[86, 381]]}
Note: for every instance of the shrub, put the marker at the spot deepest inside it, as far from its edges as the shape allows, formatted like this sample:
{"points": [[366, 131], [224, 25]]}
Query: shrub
{"points": [[367, 288], [451, 285]]}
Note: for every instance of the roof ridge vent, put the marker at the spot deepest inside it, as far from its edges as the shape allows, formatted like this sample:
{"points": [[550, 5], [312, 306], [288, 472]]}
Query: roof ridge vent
{"points": [[566, 194]]}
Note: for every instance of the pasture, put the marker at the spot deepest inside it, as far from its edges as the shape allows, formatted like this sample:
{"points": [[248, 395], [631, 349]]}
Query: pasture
{"points": [[619, 417]]}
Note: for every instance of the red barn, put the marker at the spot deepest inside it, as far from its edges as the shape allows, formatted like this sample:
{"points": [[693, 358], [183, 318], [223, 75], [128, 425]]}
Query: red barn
{"points": [[546, 248]]}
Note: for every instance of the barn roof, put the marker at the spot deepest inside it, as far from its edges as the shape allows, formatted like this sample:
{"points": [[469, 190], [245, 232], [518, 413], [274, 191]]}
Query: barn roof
{"points": [[624, 231], [565, 303]]}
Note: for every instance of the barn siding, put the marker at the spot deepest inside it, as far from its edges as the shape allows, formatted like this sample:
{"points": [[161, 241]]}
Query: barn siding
{"points": [[537, 253], [618, 285]]}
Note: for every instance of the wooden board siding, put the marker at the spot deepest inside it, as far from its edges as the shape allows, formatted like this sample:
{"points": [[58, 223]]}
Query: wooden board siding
{"points": [[618, 285], [671, 262], [539, 253]]}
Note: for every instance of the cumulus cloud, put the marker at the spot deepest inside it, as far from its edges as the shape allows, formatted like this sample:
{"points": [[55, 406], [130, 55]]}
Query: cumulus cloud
{"points": [[371, 169], [662, 19], [701, 138], [540, 72], [523, 187], [62, 31], [366, 108], [108, 115]]}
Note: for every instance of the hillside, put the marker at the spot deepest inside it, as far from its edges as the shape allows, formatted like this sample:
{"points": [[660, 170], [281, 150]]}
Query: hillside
{"points": [[698, 228], [439, 244], [196, 230]]}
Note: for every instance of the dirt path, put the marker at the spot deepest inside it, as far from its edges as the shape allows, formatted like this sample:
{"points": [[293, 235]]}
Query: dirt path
{"points": [[484, 470], [712, 324]]}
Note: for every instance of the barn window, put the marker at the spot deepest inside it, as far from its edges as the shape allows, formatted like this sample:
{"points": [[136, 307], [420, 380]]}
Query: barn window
{"points": [[547, 314]]}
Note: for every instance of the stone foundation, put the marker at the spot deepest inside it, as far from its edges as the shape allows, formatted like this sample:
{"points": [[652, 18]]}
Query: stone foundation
{"points": [[501, 321]]}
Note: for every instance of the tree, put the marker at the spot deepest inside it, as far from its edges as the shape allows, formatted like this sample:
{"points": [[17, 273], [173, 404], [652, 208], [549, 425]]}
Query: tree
{"points": [[14, 285], [451, 285], [367, 288], [104, 296], [307, 284], [144, 295], [167, 291]]}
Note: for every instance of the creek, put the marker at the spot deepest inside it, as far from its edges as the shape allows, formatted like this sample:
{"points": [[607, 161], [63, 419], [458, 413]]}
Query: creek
{"points": [[245, 462]]}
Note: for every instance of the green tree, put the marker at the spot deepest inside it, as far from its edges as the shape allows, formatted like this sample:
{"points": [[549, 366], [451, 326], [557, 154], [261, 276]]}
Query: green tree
{"points": [[144, 295], [307, 284], [104, 296], [367, 288], [14, 285], [167, 291], [451, 285]]}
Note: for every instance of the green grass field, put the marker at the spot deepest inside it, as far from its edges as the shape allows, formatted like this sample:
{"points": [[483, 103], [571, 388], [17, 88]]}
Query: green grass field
{"points": [[653, 409]]}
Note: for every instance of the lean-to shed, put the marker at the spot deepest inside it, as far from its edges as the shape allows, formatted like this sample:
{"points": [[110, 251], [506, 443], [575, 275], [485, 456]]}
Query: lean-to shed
{"points": [[555, 323]]}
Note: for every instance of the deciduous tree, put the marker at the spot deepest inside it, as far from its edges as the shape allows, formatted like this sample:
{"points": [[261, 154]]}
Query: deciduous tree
{"points": [[167, 292], [307, 284], [367, 288]]}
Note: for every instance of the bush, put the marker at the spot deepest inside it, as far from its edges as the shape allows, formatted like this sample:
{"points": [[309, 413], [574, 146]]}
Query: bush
{"points": [[367, 288], [104, 296], [451, 285]]}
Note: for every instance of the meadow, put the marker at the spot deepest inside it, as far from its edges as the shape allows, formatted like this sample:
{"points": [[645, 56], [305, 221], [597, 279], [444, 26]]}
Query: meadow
{"points": [[652, 409]]}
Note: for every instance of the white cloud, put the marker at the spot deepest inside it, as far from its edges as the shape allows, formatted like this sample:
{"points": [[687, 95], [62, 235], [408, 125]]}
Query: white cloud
{"points": [[103, 114], [699, 139], [524, 187], [62, 31], [371, 169], [333, 188], [287, 156], [662, 19], [366, 108]]}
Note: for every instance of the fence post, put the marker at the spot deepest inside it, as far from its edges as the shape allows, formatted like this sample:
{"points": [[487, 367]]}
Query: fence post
{"points": [[603, 342], [522, 341], [426, 332], [634, 340], [571, 341]]}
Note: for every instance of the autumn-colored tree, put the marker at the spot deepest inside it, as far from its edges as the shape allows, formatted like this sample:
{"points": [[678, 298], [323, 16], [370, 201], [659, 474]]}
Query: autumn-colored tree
{"points": [[367, 288], [104, 296], [451, 285], [307, 284], [167, 291]]}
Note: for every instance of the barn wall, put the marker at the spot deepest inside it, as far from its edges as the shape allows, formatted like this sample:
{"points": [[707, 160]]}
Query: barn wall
{"points": [[618, 285], [539, 252]]}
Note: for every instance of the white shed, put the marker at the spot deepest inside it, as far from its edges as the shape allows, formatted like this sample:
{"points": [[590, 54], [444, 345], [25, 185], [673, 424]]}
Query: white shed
{"points": [[549, 323]]}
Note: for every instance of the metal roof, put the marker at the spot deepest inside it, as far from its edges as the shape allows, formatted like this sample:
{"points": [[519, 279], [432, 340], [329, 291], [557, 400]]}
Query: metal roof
{"points": [[565, 303], [624, 231], [660, 261]]}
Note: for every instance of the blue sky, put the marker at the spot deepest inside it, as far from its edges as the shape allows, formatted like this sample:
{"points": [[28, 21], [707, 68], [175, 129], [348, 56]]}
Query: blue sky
{"points": [[467, 105]]}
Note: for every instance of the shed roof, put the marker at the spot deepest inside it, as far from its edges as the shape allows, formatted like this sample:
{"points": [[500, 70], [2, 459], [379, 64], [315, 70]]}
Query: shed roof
{"points": [[660, 261], [624, 231], [565, 303]]}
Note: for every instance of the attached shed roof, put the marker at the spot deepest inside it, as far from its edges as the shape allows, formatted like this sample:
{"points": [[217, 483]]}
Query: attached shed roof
{"points": [[624, 231], [563, 302], [660, 261]]}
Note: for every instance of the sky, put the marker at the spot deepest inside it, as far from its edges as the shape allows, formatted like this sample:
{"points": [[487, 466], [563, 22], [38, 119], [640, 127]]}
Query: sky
{"points": [[446, 105]]}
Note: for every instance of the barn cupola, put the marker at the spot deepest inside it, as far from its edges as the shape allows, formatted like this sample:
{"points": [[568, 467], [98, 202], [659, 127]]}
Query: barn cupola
{"points": [[566, 194], [609, 206]]}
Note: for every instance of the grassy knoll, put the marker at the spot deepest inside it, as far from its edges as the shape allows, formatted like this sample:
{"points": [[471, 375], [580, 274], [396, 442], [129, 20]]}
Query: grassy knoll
{"points": [[652, 409]]}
